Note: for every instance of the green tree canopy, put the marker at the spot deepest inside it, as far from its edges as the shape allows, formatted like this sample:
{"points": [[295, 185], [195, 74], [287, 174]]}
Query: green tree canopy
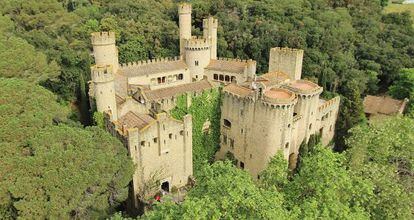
{"points": [[55, 171]]}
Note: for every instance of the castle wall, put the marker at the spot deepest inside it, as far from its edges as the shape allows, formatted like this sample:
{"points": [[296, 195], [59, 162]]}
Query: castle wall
{"points": [[327, 116], [163, 79], [131, 105], [161, 152]]}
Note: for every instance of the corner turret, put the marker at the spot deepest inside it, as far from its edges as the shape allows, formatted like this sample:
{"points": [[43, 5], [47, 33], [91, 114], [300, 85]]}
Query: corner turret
{"points": [[210, 33], [104, 49], [104, 89], [184, 13]]}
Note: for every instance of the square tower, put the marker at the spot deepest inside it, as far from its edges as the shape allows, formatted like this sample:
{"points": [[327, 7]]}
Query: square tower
{"points": [[286, 60]]}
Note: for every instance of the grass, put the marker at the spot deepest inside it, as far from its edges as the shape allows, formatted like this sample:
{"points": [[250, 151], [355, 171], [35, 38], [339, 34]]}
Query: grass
{"points": [[400, 8]]}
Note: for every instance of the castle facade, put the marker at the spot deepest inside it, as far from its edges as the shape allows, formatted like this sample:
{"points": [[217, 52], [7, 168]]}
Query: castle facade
{"points": [[261, 115]]}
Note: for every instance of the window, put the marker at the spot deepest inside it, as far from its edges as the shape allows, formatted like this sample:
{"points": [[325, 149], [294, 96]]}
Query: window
{"points": [[241, 131], [181, 132], [215, 77], [163, 79], [251, 156], [242, 165], [196, 63], [233, 78], [143, 143], [310, 126], [287, 145], [231, 143], [155, 140], [159, 80], [170, 135], [288, 125], [221, 77], [180, 76], [227, 123], [227, 78]]}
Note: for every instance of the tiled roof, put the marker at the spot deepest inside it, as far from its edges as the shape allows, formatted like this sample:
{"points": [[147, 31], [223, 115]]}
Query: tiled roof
{"points": [[238, 90], [304, 85], [158, 94], [119, 100], [152, 68], [132, 120], [383, 105], [232, 66]]}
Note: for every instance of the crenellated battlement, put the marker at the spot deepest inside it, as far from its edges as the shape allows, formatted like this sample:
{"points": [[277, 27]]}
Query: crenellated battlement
{"points": [[149, 62], [286, 50], [327, 104], [103, 38], [184, 8], [210, 22], [249, 61], [102, 73], [197, 43]]}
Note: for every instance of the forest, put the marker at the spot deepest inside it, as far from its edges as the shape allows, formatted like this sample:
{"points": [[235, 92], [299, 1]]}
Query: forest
{"points": [[57, 163]]}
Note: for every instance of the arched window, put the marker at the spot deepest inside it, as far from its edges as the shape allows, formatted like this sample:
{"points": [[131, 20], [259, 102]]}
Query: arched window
{"points": [[233, 79], [221, 78], [227, 78], [215, 76], [227, 123], [180, 76]]}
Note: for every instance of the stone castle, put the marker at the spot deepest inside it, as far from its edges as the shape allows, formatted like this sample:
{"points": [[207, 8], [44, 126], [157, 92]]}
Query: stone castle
{"points": [[261, 115]]}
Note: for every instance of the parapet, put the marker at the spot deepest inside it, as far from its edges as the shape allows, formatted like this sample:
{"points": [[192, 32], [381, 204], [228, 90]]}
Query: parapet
{"points": [[279, 96], [304, 87], [196, 43], [249, 61], [210, 22], [286, 50], [153, 61], [327, 104], [102, 73], [184, 8], [103, 38]]}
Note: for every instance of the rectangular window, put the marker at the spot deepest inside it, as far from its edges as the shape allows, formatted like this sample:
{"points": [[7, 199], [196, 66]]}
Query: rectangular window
{"points": [[242, 165], [155, 140], [231, 143], [196, 63], [170, 135]]}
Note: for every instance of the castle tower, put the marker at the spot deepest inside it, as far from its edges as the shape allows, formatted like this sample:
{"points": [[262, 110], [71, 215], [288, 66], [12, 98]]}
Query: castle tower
{"points": [[307, 107], [184, 12], [286, 60], [210, 33], [104, 89], [197, 56], [104, 49]]}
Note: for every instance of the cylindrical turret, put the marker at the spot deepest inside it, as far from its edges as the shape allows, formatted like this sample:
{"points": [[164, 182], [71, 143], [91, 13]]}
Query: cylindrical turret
{"points": [[184, 12], [104, 49], [307, 106], [197, 56], [104, 89], [210, 33]]}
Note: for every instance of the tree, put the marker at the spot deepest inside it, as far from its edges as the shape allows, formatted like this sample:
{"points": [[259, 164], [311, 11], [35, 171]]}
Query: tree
{"points": [[223, 191], [403, 87], [324, 189], [383, 152], [52, 170]]}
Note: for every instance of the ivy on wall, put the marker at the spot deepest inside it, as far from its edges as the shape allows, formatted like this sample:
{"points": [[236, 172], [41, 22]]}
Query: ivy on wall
{"points": [[203, 107]]}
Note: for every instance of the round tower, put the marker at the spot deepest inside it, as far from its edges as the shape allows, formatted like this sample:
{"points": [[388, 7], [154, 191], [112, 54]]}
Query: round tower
{"points": [[184, 13], [277, 117], [197, 56], [307, 107], [104, 49], [104, 89], [210, 33]]}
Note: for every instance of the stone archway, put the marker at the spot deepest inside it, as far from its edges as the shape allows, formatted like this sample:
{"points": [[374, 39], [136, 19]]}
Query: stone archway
{"points": [[292, 161]]}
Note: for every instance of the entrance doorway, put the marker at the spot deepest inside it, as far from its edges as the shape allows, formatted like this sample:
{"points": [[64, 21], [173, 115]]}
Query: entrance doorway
{"points": [[165, 186]]}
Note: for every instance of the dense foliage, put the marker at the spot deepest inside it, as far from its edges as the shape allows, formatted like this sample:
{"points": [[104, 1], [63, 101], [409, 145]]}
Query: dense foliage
{"points": [[403, 88], [204, 109], [50, 169]]}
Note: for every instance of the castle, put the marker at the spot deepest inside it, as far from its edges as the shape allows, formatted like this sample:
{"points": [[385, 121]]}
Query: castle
{"points": [[261, 115]]}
